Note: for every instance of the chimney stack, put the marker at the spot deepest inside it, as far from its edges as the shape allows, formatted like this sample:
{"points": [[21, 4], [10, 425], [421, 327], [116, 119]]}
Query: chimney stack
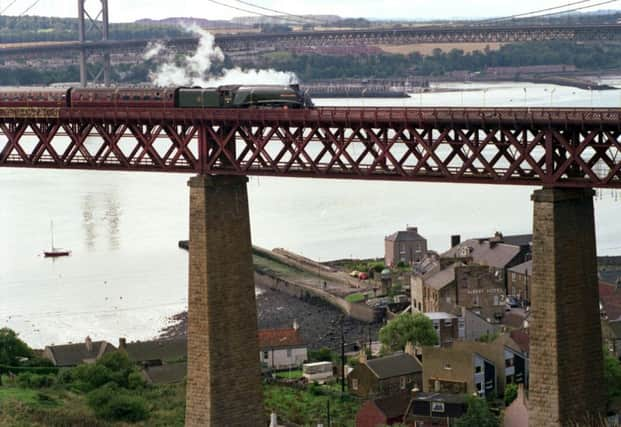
{"points": [[89, 344], [455, 240], [122, 344]]}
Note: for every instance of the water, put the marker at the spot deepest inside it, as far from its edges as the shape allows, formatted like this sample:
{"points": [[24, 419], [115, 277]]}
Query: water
{"points": [[126, 275]]}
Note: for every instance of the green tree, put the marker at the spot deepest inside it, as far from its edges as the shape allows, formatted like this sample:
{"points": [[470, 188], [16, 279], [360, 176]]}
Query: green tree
{"points": [[612, 376], [12, 348], [511, 392], [478, 415], [415, 328]]}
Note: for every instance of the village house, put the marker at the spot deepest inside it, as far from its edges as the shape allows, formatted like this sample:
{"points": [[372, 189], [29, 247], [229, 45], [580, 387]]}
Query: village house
{"points": [[384, 411], [386, 375], [473, 287], [405, 247], [435, 409], [469, 367], [282, 348], [519, 281], [498, 252], [70, 355]]}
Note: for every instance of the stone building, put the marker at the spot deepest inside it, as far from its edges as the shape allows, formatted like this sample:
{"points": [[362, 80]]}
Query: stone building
{"points": [[469, 367], [519, 281], [404, 246], [449, 327], [385, 376], [480, 289]]}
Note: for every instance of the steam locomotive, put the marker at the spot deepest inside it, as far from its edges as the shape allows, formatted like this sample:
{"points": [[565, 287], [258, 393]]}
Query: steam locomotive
{"points": [[233, 96]]}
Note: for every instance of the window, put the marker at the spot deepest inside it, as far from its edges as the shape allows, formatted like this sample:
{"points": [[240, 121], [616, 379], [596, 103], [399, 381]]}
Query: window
{"points": [[289, 352], [510, 379], [266, 355], [448, 323], [475, 300], [447, 367], [437, 406], [477, 369], [509, 362], [354, 383], [403, 381]]}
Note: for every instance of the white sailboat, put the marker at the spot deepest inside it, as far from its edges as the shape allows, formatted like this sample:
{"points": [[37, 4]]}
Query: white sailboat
{"points": [[55, 252]]}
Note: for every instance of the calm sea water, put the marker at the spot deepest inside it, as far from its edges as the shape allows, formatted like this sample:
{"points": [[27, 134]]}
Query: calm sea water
{"points": [[126, 274]]}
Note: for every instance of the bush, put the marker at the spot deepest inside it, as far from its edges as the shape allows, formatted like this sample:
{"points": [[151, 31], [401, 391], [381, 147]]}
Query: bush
{"points": [[114, 404], [29, 380], [321, 355], [135, 380], [92, 376], [511, 392]]}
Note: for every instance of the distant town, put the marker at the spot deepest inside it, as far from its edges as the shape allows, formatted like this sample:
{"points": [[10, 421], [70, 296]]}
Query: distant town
{"points": [[417, 338]]}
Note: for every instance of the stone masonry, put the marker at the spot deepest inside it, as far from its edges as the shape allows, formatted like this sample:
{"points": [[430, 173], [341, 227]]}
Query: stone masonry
{"points": [[224, 384], [566, 369]]}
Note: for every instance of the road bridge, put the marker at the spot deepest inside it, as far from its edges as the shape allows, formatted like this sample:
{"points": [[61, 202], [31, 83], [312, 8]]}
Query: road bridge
{"points": [[372, 36], [567, 152]]}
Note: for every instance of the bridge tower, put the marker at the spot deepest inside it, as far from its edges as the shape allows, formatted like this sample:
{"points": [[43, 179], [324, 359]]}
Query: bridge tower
{"points": [[566, 368], [100, 26], [224, 374]]}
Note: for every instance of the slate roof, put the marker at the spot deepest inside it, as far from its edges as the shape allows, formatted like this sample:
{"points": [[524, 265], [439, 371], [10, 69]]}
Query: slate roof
{"points": [[393, 406], [394, 365], [524, 268], [280, 338], [518, 239], [74, 354], [522, 339], [484, 252], [166, 374], [441, 397], [405, 236], [439, 279], [165, 350]]}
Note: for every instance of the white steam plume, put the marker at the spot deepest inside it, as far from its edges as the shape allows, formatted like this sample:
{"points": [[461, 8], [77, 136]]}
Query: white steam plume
{"points": [[196, 69]]}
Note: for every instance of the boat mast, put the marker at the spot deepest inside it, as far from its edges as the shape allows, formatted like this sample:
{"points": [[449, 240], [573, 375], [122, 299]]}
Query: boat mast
{"points": [[52, 230]]}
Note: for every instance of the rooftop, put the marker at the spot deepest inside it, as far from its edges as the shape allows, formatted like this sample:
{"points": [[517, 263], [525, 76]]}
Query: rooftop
{"points": [[74, 354], [524, 268], [438, 315], [393, 406], [441, 397], [394, 365], [274, 338], [409, 235], [167, 350], [484, 252], [610, 297], [439, 279], [166, 374]]}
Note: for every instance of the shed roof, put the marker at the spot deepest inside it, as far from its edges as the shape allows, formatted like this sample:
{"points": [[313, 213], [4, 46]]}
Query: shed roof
{"points": [[166, 374], [394, 365], [166, 350], [610, 297]]}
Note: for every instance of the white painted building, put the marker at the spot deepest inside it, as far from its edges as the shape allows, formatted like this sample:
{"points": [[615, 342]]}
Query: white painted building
{"points": [[282, 348]]}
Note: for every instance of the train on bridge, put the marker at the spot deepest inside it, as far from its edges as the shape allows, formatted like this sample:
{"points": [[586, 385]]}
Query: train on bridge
{"points": [[231, 96]]}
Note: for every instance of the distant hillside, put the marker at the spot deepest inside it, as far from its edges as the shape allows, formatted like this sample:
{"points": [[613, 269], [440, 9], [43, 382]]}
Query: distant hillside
{"points": [[187, 21]]}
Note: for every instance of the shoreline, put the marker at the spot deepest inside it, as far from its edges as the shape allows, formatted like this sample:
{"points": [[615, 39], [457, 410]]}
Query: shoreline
{"points": [[320, 323]]}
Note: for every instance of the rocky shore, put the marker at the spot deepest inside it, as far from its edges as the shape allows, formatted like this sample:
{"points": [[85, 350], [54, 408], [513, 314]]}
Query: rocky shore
{"points": [[320, 323]]}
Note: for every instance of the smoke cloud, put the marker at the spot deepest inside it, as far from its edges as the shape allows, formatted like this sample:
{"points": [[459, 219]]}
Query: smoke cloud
{"points": [[198, 69]]}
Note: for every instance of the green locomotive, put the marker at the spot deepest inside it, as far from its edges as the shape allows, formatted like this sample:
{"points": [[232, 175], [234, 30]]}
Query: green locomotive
{"points": [[258, 96]]}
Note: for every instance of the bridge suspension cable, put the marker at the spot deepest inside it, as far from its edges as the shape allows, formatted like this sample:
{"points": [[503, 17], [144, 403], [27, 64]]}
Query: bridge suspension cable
{"points": [[551, 11], [29, 8], [296, 21], [280, 12], [7, 7]]}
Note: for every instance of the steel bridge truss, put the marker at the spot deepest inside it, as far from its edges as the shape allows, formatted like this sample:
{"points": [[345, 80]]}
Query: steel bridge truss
{"points": [[518, 147]]}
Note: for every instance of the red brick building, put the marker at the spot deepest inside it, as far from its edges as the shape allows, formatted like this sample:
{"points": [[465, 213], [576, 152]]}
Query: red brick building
{"points": [[384, 411]]}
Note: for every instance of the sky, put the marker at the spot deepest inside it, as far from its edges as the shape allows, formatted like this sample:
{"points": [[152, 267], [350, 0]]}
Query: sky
{"points": [[131, 10]]}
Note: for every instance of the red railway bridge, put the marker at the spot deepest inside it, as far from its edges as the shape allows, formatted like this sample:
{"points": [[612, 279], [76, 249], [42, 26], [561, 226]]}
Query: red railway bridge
{"points": [[566, 151]]}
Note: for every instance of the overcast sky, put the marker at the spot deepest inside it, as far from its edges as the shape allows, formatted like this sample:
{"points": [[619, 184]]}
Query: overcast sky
{"points": [[130, 10]]}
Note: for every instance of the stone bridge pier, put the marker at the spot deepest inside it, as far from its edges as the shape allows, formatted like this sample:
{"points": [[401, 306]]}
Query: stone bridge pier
{"points": [[224, 378], [567, 385]]}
